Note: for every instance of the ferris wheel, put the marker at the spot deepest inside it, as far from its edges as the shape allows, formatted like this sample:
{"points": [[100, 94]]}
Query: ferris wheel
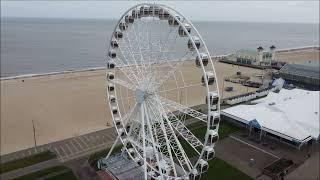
{"points": [[158, 67]]}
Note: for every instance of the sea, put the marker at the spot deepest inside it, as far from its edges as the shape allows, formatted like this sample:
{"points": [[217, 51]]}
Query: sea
{"points": [[38, 45]]}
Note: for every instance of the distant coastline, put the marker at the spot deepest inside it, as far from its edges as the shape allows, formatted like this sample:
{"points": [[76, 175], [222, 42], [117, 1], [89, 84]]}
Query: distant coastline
{"points": [[41, 46], [50, 73], [107, 19], [101, 68]]}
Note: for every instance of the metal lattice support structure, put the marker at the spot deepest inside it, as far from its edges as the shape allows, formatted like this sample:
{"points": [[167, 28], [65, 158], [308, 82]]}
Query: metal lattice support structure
{"points": [[152, 52], [186, 110]]}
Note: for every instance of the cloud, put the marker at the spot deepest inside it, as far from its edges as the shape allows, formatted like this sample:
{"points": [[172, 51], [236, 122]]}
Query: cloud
{"points": [[256, 11]]}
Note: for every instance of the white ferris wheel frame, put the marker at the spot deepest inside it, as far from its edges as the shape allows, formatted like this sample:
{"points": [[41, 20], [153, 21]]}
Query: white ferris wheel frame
{"points": [[143, 108]]}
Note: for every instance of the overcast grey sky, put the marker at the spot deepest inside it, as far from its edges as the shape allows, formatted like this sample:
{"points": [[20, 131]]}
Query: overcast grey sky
{"points": [[251, 11]]}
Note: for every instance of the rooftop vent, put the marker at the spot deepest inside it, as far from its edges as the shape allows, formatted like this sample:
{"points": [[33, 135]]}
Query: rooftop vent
{"points": [[272, 103]]}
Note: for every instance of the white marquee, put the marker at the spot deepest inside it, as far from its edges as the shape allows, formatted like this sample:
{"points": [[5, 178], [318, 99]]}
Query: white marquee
{"points": [[290, 114]]}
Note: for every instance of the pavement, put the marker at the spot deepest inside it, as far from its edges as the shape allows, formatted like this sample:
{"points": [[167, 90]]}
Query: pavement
{"points": [[82, 169], [243, 156], [238, 149], [278, 149], [309, 170], [70, 148]]}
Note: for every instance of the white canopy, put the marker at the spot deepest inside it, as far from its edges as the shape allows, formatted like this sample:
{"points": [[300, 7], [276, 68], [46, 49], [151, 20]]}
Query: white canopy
{"points": [[291, 114]]}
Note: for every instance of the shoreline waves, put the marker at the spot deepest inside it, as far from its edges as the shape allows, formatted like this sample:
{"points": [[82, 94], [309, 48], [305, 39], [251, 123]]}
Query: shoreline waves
{"points": [[101, 67]]}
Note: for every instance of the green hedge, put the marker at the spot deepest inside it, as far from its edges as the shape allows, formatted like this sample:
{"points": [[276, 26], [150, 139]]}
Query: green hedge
{"points": [[65, 176], [68, 175], [27, 161]]}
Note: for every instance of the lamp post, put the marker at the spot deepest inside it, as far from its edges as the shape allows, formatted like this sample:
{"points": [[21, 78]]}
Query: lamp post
{"points": [[34, 136]]}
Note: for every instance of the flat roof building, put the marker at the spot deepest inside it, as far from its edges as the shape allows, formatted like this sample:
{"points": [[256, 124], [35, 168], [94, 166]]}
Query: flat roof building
{"points": [[291, 115], [302, 74]]}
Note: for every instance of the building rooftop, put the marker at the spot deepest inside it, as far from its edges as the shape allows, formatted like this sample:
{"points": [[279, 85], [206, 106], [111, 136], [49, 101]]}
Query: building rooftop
{"points": [[124, 168], [311, 63], [306, 70], [247, 53], [291, 114], [251, 54]]}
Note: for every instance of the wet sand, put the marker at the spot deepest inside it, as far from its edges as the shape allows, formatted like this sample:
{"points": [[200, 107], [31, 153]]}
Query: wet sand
{"points": [[67, 105]]}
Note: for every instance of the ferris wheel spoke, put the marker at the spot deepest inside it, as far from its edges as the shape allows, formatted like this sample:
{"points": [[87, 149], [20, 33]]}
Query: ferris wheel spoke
{"points": [[128, 72], [130, 132], [122, 99], [162, 137], [183, 109], [167, 76], [149, 65], [133, 71], [133, 55], [153, 136], [144, 143], [193, 141], [168, 40], [125, 73], [184, 131], [130, 115], [163, 45], [131, 74], [153, 141], [124, 84], [167, 59], [137, 39], [179, 88], [174, 141]]}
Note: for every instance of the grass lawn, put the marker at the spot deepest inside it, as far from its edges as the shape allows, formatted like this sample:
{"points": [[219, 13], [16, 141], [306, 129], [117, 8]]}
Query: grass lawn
{"points": [[225, 128], [199, 130], [219, 169], [68, 175], [27, 161]]}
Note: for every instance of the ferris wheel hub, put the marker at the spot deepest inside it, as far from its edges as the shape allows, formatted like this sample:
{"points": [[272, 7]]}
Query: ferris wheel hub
{"points": [[142, 95]]}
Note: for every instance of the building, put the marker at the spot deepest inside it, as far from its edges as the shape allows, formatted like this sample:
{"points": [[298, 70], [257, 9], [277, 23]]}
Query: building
{"points": [[250, 57], [119, 167], [253, 58], [305, 74], [291, 116]]}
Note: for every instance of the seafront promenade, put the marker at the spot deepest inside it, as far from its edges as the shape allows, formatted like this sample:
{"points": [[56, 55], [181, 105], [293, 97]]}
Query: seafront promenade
{"points": [[70, 148]]}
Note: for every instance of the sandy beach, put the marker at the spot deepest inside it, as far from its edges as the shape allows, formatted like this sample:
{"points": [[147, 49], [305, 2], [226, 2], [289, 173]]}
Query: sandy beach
{"points": [[297, 56], [67, 105]]}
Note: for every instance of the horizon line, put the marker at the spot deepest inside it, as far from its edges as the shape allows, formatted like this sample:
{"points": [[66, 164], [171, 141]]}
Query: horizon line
{"points": [[115, 19]]}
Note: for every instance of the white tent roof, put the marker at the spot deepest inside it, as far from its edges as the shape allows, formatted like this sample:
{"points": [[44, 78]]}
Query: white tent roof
{"points": [[293, 113]]}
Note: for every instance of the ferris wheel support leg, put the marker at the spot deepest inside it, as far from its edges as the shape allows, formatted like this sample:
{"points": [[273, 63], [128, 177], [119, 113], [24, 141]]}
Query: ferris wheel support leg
{"points": [[113, 146]]}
